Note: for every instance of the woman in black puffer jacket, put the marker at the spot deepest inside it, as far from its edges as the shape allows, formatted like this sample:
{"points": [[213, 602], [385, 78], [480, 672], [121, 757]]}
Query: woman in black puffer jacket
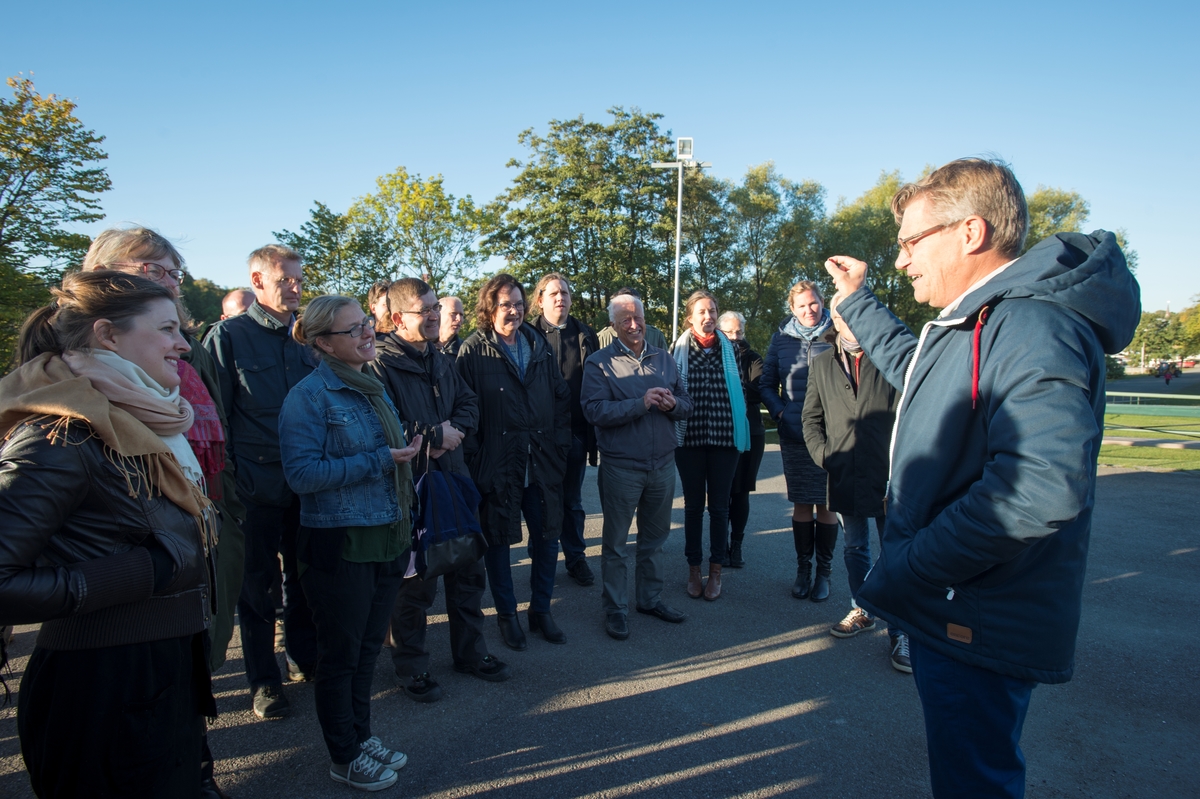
{"points": [[106, 539]]}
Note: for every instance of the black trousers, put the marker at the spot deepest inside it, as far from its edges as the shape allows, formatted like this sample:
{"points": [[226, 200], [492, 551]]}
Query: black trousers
{"points": [[705, 472], [350, 605], [464, 596], [120, 721]]}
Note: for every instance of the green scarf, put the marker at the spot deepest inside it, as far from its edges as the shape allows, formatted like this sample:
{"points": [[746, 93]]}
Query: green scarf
{"points": [[369, 386]]}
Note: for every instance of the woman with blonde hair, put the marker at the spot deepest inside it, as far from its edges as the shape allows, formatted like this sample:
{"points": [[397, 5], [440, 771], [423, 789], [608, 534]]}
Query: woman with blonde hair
{"points": [[106, 544], [346, 457]]}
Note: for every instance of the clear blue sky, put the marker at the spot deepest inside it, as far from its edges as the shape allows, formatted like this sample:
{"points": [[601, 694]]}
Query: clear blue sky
{"points": [[225, 121]]}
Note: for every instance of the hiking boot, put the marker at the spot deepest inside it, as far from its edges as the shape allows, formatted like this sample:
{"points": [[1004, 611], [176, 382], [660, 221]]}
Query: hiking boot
{"points": [[856, 621], [580, 572], [364, 773], [388, 758], [900, 658], [423, 688], [269, 702]]}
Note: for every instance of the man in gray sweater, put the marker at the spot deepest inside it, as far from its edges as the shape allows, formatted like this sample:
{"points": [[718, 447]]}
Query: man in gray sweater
{"points": [[633, 396]]}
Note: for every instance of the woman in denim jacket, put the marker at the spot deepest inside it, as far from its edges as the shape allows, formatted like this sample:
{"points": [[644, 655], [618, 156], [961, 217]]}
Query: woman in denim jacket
{"points": [[345, 455]]}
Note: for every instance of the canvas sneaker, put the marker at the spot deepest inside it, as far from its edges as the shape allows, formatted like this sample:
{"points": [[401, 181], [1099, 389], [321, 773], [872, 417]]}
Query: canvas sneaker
{"points": [[900, 658], [365, 774], [388, 758], [856, 621]]}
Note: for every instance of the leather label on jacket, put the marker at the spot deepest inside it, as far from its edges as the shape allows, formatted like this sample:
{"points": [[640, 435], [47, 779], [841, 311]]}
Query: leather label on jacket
{"points": [[957, 632]]}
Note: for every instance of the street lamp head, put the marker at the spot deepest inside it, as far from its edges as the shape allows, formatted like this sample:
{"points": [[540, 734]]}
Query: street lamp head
{"points": [[683, 149]]}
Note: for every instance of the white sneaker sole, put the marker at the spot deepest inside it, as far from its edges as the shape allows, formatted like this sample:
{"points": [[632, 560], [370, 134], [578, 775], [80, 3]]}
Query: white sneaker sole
{"points": [[370, 787]]}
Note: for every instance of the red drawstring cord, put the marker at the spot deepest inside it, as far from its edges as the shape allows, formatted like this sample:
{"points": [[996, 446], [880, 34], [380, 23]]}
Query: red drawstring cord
{"points": [[983, 313]]}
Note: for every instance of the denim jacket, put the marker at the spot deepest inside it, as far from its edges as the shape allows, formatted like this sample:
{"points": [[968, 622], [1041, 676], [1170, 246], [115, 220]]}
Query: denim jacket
{"points": [[335, 455]]}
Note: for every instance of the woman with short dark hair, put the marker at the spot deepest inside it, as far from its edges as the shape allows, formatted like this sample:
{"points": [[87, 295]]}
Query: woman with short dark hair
{"points": [[518, 454]]}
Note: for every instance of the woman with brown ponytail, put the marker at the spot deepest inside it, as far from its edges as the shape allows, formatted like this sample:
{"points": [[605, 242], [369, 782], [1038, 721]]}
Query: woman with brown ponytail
{"points": [[106, 541]]}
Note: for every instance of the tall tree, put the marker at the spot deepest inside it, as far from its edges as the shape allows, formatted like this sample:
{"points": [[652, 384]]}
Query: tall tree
{"points": [[867, 230], [339, 256], [776, 225], [587, 203], [708, 234], [426, 232], [1054, 210], [49, 177]]}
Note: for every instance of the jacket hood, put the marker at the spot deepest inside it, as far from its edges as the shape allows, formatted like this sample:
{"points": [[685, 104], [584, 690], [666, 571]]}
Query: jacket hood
{"points": [[1084, 272], [390, 352]]}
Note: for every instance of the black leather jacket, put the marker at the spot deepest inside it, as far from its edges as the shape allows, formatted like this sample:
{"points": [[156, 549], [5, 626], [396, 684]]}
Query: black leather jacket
{"points": [[75, 553]]}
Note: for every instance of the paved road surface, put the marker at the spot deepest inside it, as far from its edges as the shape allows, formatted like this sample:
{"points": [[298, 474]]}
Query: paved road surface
{"points": [[752, 697]]}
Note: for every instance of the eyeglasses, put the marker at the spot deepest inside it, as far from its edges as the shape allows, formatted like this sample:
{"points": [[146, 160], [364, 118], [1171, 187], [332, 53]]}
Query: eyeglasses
{"points": [[357, 330], [427, 311], [153, 270], [519, 307], [907, 242], [289, 282]]}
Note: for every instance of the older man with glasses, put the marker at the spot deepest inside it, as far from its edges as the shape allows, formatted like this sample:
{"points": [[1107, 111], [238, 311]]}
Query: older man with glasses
{"points": [[993, 472]]}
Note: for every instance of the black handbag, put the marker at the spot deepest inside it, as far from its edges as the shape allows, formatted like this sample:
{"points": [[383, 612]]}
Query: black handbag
{"points": [[448, 532]]}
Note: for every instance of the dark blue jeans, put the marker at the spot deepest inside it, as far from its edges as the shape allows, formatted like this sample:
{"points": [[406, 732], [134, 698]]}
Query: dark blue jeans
{"points": [[573, 545], [271, 531], [543, 556], [351, 605], [973, 721]]}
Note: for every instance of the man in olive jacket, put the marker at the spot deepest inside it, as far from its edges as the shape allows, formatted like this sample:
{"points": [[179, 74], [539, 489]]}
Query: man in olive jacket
{"points": [[436, 404], [849, 409]]}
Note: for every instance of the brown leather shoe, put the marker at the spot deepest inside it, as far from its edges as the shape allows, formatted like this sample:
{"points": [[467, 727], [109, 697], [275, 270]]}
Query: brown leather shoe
{"points": [[713, 589], [694, 587]]}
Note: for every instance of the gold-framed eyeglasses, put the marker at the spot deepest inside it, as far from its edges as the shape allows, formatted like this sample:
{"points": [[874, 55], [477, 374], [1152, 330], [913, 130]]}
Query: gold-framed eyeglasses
{"points": [[907, 242], [357, 330], [152, 270]]}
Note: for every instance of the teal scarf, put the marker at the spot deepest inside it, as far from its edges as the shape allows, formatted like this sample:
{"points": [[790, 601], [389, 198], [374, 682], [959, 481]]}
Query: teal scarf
{"points": [[733, 386]]}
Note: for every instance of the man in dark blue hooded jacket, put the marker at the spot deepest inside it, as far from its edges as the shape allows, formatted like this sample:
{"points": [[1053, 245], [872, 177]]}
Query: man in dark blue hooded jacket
{"points": [[993, 473]]}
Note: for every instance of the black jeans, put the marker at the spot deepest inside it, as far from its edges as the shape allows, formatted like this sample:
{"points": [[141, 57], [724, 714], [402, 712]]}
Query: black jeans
{"points": [[464, 596], [119, 721], [571, 541], [269, 532], [350, 604], [705, 471]]}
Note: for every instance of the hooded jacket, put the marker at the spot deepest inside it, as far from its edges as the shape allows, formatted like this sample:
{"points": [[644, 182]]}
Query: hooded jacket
{"points": [[524, 431], [993, 467]]}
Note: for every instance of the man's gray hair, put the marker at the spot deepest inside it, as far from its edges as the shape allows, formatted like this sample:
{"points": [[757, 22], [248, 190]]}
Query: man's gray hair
{"points": [[741, 320], [623, 299]]}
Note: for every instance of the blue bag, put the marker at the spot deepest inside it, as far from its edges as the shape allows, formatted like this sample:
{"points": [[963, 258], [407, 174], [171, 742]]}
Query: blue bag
{"points": [[447, 524]]}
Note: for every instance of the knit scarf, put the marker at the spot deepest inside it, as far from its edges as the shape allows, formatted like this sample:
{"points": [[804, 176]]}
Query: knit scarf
{"points": [[705, 342], [369, 386], [733, 385], [45, 388], [794, 329]]}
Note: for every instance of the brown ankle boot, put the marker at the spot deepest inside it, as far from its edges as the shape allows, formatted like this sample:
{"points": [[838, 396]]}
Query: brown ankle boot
{"points": [[713, 589], [694, 587]]}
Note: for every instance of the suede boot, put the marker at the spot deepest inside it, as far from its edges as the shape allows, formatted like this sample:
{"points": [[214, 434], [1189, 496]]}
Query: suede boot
{"points": [[826, 542], [713, 589], [694, 586], [802, 535]]}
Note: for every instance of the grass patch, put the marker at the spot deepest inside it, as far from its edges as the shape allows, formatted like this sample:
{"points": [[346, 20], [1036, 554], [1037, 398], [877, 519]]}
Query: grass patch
{"points": [[1150, 458], [1129, 424]]}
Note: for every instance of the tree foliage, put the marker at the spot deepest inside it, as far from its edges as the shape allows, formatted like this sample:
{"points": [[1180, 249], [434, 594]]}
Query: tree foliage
{"points": [[203, 299], [339, 256], [1054, 210], [587, 203], [423, 231]]}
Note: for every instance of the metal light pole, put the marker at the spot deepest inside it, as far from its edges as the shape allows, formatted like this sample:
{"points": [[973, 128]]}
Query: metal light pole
{"points": [[683, 157]]}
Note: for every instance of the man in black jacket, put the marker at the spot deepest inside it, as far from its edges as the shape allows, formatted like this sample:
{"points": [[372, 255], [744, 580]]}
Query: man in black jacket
{"points": [[572, 341], [849, 409], [258, 362], [436, 404]]}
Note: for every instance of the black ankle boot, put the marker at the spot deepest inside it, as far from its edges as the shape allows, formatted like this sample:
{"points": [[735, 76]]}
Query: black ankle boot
{"points": [[511, 632], [735, 554], [802, 536], [826, 542]]}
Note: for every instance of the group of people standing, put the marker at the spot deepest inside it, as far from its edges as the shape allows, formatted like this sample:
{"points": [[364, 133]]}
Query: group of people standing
{"points": [[149, 483]]}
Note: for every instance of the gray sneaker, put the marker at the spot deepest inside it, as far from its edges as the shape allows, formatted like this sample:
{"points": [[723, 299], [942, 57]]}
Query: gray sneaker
{"points": [[388, 758], [365, 774]]}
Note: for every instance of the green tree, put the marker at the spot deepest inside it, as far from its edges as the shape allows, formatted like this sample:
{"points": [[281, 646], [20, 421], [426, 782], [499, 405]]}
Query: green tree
{"points": [[777, 225], [1156, 337], [866, 229], [587, 203], [340, 257], [203, 298], [708, 235], [425, 231], [1054, 210]]}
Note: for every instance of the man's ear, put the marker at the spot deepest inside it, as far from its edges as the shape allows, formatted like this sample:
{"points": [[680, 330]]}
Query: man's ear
{"points": [[256, 280], [976, 235]]}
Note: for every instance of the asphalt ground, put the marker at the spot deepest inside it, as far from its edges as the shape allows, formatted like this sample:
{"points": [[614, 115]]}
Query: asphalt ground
{"points": [[751, 696]]}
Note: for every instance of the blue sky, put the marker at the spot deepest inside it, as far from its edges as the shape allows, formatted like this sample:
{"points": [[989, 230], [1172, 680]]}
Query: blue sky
{"points": [[225, 121]]}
